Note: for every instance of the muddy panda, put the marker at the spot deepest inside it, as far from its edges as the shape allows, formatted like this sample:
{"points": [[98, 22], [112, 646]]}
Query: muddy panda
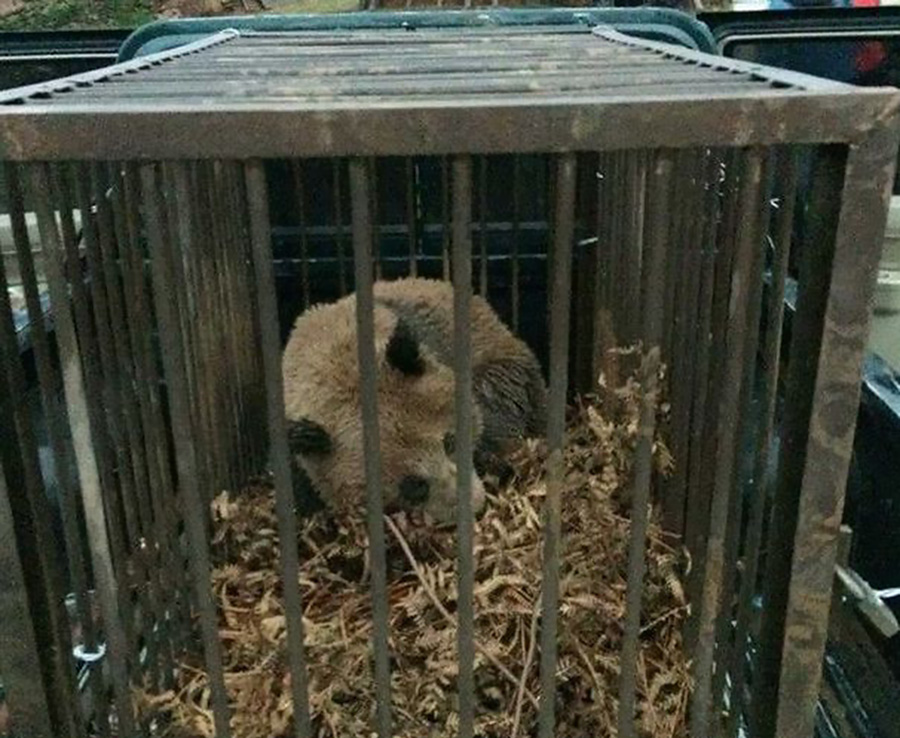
{"points": [[414, 356]]}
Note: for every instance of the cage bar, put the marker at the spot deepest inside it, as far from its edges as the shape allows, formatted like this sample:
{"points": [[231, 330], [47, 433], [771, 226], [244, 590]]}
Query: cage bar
{"points": [[659, 202], [556, 418], [360, 184], [257, 195], [462, 288]]}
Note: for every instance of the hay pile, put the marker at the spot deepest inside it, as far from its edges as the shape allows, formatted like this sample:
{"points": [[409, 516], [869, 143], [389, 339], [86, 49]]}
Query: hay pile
{"points": [[422, 586]]}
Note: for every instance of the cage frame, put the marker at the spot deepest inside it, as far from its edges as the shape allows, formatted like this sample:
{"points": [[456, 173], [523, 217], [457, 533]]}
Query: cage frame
{"points": [[831, 320]]}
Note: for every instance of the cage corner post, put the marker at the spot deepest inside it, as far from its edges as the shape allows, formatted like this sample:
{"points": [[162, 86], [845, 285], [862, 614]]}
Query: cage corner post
{"points": [[842, 319]]}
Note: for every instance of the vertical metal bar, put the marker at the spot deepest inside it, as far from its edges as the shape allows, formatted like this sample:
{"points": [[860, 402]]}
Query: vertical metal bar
{"points": [[844, 327], [19, 659], [728, 409], [300, 197], [94, 514], [261, 237], [43, 578], [235, 311], [697, 518], [556, 424], [696, 502], [616, 250], [224, 288], [682, 361], [412, 234], [743, 439], [48, 381], [365, 320], [817, 255], [107, 274], [110, 378], [200, 228], [602, 329], [171, 578], [462, 292], [96, 407], [786, 177], [633, 242], [185, 455], [660, 183], [149, 380]]}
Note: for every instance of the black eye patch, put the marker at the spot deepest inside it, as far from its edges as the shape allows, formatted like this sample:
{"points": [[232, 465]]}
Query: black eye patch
{"points": [[414, 490]]}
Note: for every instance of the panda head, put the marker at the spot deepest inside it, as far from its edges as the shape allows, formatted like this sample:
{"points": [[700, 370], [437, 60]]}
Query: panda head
{"points": [[416, 420]]}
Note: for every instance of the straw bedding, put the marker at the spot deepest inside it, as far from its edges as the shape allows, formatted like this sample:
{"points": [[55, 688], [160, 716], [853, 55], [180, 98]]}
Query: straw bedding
{"points": [[334, 581]]}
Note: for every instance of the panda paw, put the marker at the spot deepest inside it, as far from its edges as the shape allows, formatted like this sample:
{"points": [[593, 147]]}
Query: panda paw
{"points": [[306, 499]]}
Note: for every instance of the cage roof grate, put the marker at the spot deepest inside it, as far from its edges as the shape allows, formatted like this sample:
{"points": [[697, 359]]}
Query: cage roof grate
{"points": [[434, 66]]}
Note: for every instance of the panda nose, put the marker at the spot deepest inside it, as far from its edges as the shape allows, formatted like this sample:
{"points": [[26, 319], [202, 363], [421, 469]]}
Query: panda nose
{"points": [[414, 490]]}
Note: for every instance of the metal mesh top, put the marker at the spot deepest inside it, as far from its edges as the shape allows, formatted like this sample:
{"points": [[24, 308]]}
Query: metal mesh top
{"points": [[378, 67]]}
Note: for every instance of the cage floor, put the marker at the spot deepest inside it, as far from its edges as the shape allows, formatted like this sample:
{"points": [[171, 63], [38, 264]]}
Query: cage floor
{"points": [[422, 593]]}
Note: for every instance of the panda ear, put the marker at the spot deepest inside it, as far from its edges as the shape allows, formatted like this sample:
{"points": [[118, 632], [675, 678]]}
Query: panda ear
{"points": [[403, 351], [305, 436]]}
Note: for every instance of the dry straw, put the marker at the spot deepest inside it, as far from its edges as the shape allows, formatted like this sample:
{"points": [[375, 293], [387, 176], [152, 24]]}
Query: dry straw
{"points": [[422, 590]]}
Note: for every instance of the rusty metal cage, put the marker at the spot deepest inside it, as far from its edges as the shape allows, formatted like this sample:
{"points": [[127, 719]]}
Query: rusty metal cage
{"points": [[655, 194]]}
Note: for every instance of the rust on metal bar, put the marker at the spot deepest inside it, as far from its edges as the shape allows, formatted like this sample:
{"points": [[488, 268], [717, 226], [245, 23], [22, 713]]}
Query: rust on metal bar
{"points": [[560, 290], [365, 319], [659, 182], [843, 326], [462, 349], [185, 453], [258, 202]]}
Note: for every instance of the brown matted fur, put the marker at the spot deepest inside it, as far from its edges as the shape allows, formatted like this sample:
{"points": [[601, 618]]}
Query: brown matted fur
{"points": [[416, 410]]}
